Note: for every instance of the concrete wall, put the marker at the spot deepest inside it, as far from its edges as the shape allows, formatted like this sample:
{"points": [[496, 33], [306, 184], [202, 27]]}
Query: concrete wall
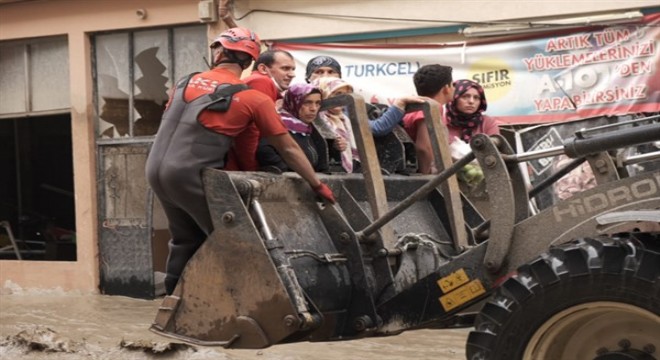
{"points": [[286, 19]]}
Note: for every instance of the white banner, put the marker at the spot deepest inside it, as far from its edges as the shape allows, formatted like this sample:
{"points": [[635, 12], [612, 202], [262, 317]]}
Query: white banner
{"points": [[609, 71]]}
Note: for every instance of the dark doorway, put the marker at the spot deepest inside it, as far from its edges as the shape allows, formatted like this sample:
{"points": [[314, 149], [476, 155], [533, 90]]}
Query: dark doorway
{"points": [[36, 189]]}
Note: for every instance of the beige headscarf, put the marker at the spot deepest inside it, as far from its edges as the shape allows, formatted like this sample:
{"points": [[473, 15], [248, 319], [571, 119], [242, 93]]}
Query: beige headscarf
{"points": [[337, 119]]}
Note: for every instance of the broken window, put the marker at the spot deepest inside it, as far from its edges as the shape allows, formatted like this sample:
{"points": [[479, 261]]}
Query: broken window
{"points": [[134, 73]]}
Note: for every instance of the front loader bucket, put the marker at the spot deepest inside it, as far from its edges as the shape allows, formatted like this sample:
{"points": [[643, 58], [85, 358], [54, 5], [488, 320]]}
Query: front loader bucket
{"points": [[228, 283], [282, 267], [394, 253]]}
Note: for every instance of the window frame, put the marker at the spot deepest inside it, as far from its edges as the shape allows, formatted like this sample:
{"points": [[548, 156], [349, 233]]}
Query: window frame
{"points": [[26, 45], [131, 138]]}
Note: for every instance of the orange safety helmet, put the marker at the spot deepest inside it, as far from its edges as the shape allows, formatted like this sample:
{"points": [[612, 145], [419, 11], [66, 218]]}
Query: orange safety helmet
{"points": [[239, 39]]}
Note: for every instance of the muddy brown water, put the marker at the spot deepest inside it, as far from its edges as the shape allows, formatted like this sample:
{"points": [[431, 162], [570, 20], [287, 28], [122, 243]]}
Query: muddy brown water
{"points": [[40, 324]]}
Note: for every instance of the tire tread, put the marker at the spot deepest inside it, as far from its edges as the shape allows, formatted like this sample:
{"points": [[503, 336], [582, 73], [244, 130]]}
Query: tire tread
{"points": [[618, 260]]}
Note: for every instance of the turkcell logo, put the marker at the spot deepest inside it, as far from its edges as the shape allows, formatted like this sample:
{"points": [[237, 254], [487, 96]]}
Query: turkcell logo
{"points": [[382, 69]]}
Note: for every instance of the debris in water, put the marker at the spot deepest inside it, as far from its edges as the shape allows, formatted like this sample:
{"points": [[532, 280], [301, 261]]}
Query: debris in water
{"points": [[154, 347], [41, 339]]}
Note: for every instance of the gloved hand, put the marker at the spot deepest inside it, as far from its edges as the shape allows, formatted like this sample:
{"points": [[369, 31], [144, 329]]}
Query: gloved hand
{"points": [[324, 191]]}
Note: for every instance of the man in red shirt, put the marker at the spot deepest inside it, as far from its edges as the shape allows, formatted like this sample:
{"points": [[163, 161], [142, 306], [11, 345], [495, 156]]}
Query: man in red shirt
{"points": [[272, 73], [205, 113], [434, 81]]}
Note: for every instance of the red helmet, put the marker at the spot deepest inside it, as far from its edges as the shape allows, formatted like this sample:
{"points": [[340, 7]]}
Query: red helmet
{"points": [[239, 39]]}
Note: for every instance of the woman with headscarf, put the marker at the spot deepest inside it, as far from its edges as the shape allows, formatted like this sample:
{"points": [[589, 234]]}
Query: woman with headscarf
{"points": [[337, 121], [383, 118], [464, 118], [464, 113], [300, 107], [322, 66]]}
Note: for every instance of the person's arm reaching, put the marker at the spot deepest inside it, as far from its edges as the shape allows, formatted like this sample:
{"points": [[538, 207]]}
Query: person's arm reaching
{"points": [[384, 124], [289, 150]]}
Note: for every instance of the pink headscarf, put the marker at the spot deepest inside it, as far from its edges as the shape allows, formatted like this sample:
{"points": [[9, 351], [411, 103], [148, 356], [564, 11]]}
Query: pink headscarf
{"points": [[290, 111], [338, 121]]}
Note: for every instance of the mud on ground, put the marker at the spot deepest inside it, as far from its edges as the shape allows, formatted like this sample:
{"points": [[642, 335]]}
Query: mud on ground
{"points": [[40, 324]]}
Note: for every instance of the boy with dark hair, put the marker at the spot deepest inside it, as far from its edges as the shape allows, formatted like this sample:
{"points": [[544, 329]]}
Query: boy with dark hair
{"points": [[433, 81], [430, 80]]}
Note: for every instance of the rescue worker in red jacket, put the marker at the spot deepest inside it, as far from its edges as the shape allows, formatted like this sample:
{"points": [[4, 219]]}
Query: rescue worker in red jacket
{"points": [[206, 111]]}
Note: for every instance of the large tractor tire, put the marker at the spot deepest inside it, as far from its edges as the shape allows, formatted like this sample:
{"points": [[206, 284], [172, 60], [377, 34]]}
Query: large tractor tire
{"points": [[589, 299]]}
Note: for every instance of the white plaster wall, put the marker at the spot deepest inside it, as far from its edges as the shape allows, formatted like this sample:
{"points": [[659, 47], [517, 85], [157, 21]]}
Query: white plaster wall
{"points": [[274, 20]]}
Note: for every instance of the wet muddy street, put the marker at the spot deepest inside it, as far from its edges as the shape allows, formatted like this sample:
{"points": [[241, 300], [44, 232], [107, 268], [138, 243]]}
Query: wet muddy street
{"points": [[55, 325]]}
